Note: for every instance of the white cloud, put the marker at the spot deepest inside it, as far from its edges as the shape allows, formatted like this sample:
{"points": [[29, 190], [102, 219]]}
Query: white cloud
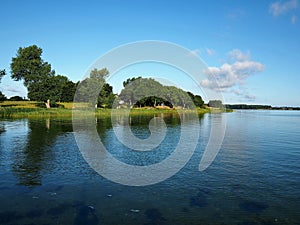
{"points": [[231, 74], [278, 8], [238, 55], [237, 92], [209, 51], [243, 93], [250, 97], [194, 52]]}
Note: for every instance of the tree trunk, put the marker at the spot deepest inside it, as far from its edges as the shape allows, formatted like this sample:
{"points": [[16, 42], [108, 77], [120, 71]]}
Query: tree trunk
{"points": [[48, 104]]}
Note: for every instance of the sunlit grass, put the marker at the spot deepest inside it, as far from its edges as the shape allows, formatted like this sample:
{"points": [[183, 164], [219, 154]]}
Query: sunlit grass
{"points": [[19, 104], [30, 109]]}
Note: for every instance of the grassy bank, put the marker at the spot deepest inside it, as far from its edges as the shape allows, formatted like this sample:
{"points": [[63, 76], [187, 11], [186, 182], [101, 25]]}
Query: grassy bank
{"points": [[29, 109]]}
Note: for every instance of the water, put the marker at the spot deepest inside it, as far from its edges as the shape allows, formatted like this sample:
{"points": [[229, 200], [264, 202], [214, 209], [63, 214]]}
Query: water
{"points": [[255, 178]]}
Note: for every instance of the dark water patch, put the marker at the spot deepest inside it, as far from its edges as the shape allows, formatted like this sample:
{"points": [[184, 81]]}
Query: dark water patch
{"points": [[86, 215], [54, 188], [155, 216], [200, 200], [78, 204], [237, 189], [259, 221], [58, 210], [185, 210], [253, 207], [9, 216], [268, 223], [248, 223], [35, 213], [4, 188]]}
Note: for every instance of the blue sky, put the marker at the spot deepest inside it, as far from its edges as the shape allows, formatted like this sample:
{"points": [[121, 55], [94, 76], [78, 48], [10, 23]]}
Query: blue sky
{"points": [[252, 47]]}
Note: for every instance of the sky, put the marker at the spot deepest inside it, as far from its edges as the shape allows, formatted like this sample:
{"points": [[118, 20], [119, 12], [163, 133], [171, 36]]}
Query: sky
{"points": [[251, 47]]}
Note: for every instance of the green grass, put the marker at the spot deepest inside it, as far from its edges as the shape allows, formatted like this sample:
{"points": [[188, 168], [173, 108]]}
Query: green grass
{"points": [[30, 109], [19, 104], [10, 112]]}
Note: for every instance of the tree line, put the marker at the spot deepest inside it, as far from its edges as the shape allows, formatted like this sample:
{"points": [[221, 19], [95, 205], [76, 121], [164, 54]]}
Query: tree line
{"points": [[141, 92], [44, 85]]}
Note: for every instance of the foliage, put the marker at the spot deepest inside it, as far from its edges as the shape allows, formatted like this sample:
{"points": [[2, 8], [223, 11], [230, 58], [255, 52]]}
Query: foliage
{"points": [[244, 106], [106, 96], [29, 66], [38, 77], [197, 99], [129, 80], [95, 90], [148, 92], [68, 91], [16, 98], [2, 73], [2, 97], [215, 103]]}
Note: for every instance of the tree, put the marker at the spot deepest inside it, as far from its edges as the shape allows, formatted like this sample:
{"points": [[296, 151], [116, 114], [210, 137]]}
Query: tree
{"points": [[129, 80], [215, 103], [2, 96], [197, 99], [140, 91], [38, 77], [68, 91], [29, 66], [106, 96], [16, 98], [148, 92], [2, 73], [94, 89]]}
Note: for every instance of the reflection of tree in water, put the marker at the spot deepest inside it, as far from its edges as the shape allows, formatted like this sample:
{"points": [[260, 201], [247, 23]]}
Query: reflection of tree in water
{"points": [[31, 160], [2, 128]]}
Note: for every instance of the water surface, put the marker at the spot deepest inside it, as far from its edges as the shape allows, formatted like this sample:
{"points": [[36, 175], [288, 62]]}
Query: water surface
{"points": [[255, 178]]}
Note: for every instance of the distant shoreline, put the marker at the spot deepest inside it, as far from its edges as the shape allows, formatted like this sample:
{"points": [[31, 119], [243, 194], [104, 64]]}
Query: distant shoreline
{"points": [[265, 107]]}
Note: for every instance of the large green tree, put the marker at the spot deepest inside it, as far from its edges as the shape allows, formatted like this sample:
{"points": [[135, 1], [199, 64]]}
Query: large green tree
{"points": [[148, 92], [95, 90], [68, 91], [197, 99], [215, 103], [41, 82]]}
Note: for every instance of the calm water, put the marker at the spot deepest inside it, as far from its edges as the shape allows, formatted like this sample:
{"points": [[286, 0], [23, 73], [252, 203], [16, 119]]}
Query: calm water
{"points": [[255, 178]]}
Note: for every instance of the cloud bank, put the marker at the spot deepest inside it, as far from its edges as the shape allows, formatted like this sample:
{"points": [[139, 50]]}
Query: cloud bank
{"points": [[278, 8], [232, 74]]}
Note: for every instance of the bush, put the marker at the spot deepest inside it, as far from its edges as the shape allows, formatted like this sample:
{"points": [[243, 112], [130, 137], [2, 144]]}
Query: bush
{"points": [[2, 97], [16, 98]]}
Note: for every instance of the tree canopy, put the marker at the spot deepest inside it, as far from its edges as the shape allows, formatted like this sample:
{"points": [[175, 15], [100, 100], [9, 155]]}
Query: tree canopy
{"points": [[2, 96], [148, 92], [197, 99], [95, 90], [215, 104], [41, 82]]}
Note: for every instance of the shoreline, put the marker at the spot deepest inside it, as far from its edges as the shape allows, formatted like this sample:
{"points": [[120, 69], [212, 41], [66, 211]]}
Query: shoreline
{"points": [[27, 109]]}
